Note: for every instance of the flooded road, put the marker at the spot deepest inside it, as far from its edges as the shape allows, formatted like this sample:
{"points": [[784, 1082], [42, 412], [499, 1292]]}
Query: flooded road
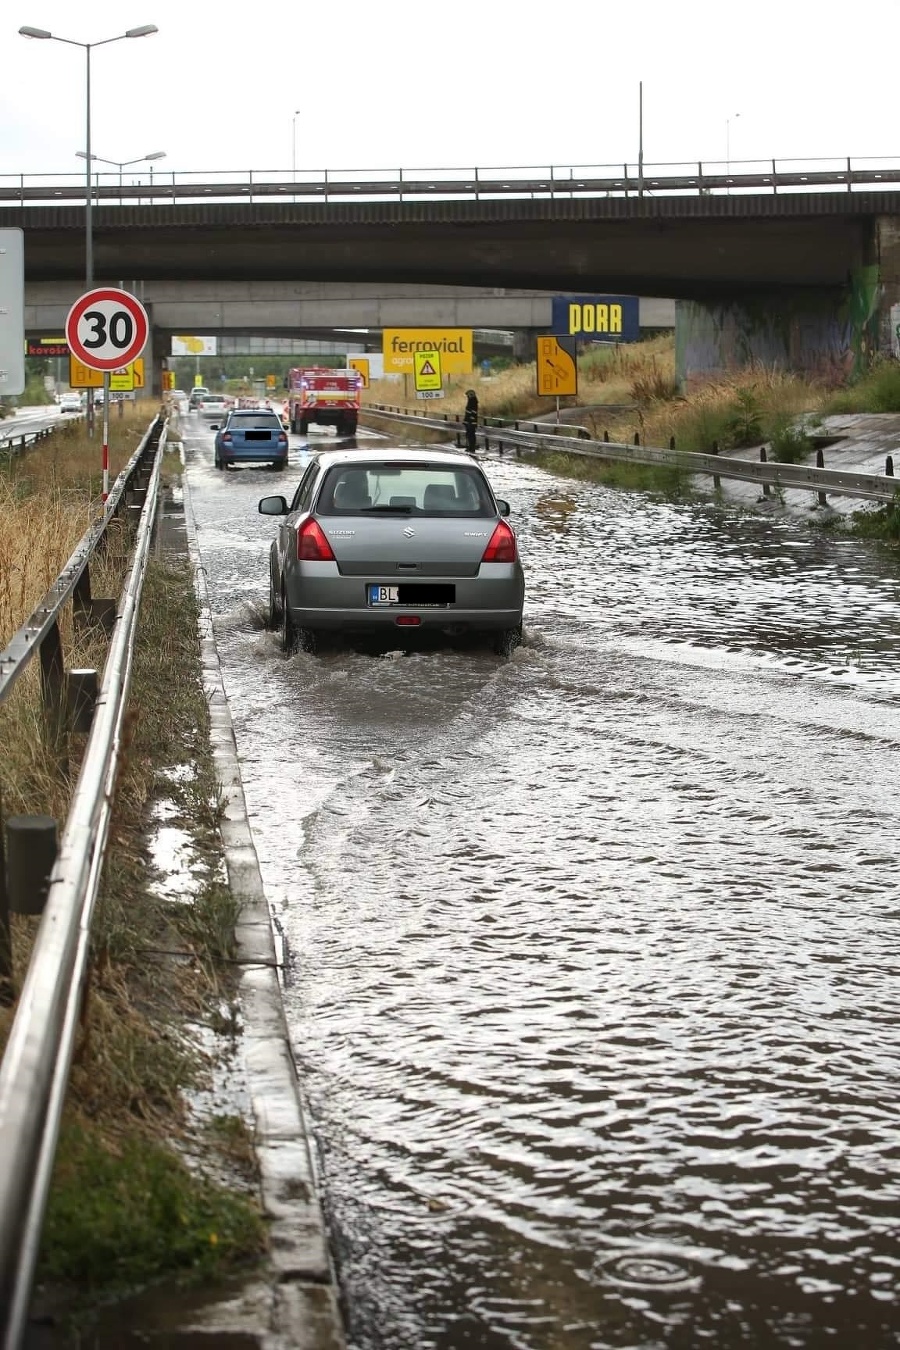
{"points": [[593, 954]]}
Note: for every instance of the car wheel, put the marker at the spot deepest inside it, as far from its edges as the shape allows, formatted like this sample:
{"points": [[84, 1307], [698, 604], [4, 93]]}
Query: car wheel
{"points": [[217, 462], [279, 465], [505, 641], [288, 631], [274, 605]]}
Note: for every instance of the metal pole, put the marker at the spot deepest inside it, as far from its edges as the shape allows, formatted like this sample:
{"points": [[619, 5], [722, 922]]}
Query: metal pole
{"points": [[105, 434], [88, 219], [640, 139]]}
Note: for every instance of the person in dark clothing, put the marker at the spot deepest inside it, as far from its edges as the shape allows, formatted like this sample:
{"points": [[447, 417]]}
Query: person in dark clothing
{"points": [[470, 419]]}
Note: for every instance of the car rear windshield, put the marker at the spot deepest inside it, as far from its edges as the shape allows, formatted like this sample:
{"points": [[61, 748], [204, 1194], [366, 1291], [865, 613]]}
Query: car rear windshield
{"points": [[246, 420], [213, 398], [419, 489]]}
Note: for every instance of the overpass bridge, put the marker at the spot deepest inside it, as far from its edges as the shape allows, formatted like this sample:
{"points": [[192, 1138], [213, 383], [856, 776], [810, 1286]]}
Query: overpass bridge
{"points": [[805, 279]]}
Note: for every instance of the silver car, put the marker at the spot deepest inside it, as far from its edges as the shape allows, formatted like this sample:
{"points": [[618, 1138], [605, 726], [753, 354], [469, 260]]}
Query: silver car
{"points": [[391, 543]]}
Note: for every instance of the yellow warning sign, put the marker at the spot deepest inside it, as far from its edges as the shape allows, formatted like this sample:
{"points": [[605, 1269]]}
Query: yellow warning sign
{"points": [[82, 377], [557, 372], [360, 363], [121, 381], [427, 369]]}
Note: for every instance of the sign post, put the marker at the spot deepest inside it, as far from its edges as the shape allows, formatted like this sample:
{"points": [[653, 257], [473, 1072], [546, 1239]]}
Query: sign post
{"points": [[106, 329]]}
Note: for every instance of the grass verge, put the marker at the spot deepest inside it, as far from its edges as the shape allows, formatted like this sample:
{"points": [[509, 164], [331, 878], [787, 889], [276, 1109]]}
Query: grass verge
{"points": [[126, 1208], [662, 478]]}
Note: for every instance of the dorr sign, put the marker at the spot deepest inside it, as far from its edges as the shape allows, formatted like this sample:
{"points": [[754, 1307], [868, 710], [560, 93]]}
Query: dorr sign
{"points": [[107, 328]]}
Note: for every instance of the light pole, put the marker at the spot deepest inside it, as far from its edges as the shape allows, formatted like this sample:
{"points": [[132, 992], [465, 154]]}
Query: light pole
{"points": [[294, 143], [728, 121], [121, 164], [144, 31]]}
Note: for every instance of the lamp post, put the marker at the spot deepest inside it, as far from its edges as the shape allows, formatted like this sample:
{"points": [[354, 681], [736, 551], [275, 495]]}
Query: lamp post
{"points": [[121, 164], [294, 143], [144, 31], [728, 121]]}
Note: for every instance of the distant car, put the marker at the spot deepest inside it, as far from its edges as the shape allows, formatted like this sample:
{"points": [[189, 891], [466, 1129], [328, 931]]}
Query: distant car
{"points": [[391, 542], [70, 402], [251, 436], [177, 396], [197, 395], [213, 406]]}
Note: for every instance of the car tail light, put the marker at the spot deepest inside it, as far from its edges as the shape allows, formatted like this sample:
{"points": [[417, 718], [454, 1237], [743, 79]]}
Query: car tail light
{"points": [[312, 546], [501, 545], [408, 620], [227, 438], [282, 439]]}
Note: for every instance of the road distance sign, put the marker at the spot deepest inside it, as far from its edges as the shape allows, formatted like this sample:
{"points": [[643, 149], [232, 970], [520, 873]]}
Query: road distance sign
{"points": [[107, 328]]}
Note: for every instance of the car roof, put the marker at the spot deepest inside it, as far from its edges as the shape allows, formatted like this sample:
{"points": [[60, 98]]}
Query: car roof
{"points": [[377, 455]]}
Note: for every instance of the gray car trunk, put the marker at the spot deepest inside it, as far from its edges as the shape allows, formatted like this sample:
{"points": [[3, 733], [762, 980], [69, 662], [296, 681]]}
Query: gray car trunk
{"points": [[407, 545]]}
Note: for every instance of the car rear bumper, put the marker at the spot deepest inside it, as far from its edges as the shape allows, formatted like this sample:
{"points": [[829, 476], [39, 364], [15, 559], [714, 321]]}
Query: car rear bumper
{"points": [[320, 598]]}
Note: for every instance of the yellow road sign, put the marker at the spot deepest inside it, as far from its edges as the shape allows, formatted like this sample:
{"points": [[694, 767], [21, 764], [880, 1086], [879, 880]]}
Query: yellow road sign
{"points": [[454, 345], [82, 377], [361, 363], [557, 372], [427, 369]]}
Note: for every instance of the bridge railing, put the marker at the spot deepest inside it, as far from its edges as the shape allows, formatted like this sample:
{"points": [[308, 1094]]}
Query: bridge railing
{"points": [[35, 1067], [695, 178]]}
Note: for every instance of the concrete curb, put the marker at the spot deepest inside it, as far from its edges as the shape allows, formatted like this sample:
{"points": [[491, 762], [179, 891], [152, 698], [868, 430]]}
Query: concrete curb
{"points": [[303, 1311]]}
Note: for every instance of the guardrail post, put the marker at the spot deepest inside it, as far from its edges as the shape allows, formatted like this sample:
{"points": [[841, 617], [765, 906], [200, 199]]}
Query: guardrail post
{"points": [[606, 436], [717, 482], [820, 464], [31, 845], [774, 180], [889, 467], [671, 442], [763, 459], [52, 678], [82, 689], [637, 438], [849, 177]]}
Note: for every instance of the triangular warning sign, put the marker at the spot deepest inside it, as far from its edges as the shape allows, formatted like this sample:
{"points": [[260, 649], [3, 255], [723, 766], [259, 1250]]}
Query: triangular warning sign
{"points": [[427, 368]]}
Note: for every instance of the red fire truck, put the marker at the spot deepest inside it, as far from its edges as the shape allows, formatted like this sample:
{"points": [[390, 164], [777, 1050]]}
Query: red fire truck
{"points": [[325, 396]]}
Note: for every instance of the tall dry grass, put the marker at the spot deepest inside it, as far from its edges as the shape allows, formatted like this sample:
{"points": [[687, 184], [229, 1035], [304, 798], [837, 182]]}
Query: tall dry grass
{"points": [[605, 375], [48, 497]]}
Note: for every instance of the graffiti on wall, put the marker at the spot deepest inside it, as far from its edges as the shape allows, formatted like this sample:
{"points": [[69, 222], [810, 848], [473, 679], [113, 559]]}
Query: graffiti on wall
{"points": [[831, 334]]}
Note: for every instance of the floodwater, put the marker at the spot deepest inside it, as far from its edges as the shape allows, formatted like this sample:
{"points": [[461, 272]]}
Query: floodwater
{"points": [[593, 954]]}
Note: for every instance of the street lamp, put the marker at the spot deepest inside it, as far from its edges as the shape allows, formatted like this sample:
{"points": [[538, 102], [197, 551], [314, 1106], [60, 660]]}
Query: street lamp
{"points": [[294, 143], [121, 164], [144, 31], [728, 121]]}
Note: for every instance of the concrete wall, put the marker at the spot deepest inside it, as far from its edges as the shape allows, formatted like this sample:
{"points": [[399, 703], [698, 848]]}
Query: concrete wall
{"points": [[832, 334]]}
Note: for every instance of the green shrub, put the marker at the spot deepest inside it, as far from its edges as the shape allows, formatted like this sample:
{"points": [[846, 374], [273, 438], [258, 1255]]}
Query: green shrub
{"points": [[743, 420], [877, 392], [789, 443]]}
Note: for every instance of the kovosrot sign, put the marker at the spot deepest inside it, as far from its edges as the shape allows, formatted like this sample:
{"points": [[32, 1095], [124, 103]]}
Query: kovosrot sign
{"points": [[454, 345], [610, 318]]}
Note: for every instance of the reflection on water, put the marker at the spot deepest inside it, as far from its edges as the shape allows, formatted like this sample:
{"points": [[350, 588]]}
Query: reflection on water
{"points": [[594, 953]]}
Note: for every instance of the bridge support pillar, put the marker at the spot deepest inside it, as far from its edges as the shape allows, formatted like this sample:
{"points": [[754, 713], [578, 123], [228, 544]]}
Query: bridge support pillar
{"points": [[829, 333], [888, 244]]}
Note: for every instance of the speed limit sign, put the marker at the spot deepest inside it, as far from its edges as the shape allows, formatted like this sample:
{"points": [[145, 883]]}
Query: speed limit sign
{"points": [[107, 328]]}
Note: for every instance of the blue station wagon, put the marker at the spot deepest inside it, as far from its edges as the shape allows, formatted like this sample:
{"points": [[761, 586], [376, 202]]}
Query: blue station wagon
{"points": [[251, 436]]}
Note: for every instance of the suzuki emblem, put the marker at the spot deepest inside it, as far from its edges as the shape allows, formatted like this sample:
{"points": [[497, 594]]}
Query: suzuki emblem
{"points": [[408, 532]]}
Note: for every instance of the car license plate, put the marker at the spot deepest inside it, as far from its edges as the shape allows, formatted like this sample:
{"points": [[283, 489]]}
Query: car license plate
{"points": [[384, 595]]}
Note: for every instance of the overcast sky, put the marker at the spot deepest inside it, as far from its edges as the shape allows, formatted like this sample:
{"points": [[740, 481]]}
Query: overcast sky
{"points": [[415, 83]]}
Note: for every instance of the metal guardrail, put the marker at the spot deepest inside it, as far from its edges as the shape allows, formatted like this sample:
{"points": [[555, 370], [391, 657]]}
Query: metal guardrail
{"points": [[18, 441], [626, 180], [768, 473], [35, 1068]]}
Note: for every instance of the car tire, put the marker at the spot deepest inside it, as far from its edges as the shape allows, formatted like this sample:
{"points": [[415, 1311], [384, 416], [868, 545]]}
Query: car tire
{"points": [[217, 462], [274, 605], [505, 641], [289, 636], [279, 465]]}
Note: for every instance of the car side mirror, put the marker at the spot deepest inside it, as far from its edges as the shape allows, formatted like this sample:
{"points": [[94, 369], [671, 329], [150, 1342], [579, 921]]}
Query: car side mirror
{"points": [[503, 506], [273, 506], [214, 426]]}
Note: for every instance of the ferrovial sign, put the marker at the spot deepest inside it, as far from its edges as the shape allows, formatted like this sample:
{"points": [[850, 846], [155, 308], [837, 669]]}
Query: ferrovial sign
{"points": [[12, 312], [453, 345], [597, 318], [194, 346]]}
